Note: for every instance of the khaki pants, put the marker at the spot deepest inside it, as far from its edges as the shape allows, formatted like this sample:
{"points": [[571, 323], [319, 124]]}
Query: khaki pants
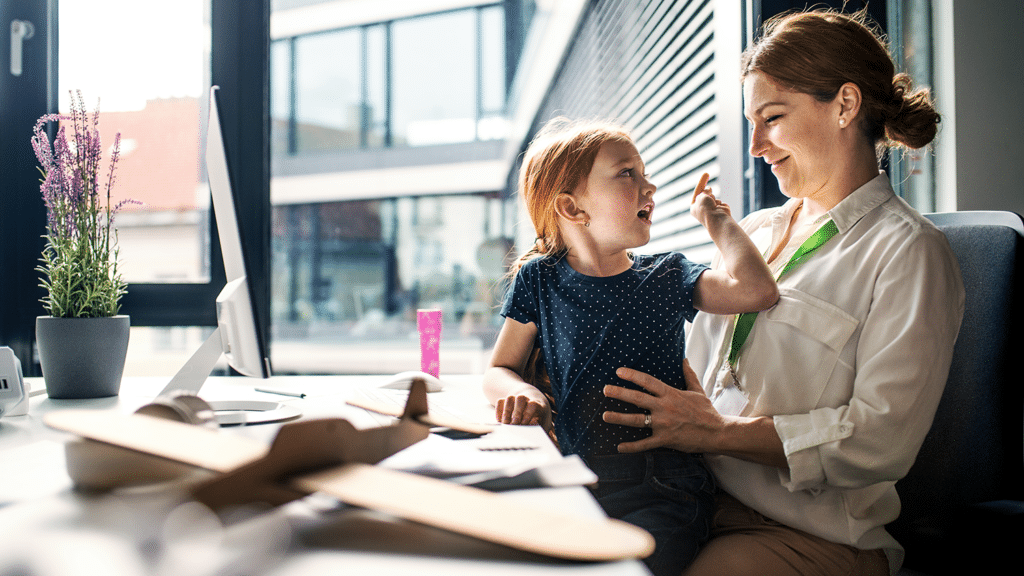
{"points": [[744, 542]]}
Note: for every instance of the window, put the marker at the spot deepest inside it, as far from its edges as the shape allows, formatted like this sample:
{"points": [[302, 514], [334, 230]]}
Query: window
{"points": [[170, 259], [157, 111], [158, 108], [393, 100], [435, 87], [114, 62], [413, 81], [913, 173], [328, 98], [349, 277]]}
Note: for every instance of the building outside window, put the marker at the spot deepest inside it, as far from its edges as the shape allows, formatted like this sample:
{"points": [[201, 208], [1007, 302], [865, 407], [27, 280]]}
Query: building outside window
{"points": [[357, 102]]}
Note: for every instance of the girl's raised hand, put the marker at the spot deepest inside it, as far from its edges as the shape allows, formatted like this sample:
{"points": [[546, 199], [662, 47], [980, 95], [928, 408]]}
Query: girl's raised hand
{"points": [[704, 205]]}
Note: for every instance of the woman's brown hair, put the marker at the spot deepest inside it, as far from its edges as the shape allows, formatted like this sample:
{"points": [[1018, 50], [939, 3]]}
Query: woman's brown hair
{"points": [[557, 161], [817, 52]]}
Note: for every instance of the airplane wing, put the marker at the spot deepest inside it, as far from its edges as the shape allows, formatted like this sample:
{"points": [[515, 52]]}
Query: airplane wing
{"points": [[332, 457]]}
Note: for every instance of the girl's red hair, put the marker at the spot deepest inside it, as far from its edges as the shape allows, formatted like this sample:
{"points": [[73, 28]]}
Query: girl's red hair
{"points": [[558, 161]]}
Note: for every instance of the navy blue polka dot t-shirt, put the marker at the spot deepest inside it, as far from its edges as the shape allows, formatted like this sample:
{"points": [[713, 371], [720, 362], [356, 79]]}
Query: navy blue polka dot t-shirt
{"points": [[587, 327]]}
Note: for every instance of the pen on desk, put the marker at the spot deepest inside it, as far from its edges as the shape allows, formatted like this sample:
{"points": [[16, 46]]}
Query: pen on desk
{"points": [[281, 392]]}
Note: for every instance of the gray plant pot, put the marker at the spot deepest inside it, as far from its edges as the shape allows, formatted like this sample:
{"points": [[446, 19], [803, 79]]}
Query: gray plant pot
{"points": [[82, 357]]}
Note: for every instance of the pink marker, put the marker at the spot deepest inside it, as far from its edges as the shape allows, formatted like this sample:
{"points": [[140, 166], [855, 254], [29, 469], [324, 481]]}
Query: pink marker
{"points": [[428, 323]]}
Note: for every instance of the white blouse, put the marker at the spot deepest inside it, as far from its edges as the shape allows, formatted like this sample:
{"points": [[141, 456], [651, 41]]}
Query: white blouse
{"points": [[851, 363]]}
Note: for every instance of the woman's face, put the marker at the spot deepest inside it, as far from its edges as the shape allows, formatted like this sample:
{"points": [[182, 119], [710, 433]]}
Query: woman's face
{"points": [[795, 134]]}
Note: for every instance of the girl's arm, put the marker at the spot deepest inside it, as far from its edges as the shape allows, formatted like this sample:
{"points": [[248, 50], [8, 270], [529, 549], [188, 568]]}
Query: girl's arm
{"points": [[745, 284], [515, 400]]}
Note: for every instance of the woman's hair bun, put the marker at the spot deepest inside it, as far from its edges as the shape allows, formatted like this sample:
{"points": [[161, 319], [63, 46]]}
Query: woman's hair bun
{"points": [[911, 118]]}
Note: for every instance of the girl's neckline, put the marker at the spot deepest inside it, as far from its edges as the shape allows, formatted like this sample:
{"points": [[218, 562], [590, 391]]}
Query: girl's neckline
{"points": [[566, 268], [593, 266]]}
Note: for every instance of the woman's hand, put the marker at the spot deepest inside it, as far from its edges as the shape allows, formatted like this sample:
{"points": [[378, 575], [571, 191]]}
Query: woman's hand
{"points": [[527, 407], [687, 421], [681, 419]]}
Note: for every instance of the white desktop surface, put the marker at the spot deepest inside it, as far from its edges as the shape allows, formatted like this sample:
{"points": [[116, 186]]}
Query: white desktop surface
{"points": [[142, 531]]}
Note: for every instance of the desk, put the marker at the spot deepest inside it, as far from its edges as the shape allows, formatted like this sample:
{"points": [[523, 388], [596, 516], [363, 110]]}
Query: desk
{"points": [[148, 531]]}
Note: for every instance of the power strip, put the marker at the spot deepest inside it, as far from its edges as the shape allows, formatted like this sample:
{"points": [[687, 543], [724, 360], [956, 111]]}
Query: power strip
{"points": [[12, 385]]}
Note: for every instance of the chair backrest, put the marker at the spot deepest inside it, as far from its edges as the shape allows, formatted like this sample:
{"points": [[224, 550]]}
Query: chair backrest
{"points": [[974, 451]]}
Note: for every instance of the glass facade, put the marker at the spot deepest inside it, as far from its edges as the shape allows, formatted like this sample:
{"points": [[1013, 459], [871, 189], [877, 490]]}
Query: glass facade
{"points": [[435, 88], [328, 96], [416, 81], [375, 87], [349, 277]]}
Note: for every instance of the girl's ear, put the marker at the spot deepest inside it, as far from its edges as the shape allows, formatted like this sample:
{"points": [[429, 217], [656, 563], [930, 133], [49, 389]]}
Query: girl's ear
{"points": [[567, 208]]}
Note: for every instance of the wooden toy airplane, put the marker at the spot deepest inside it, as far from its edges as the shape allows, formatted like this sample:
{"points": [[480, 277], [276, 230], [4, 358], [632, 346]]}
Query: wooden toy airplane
{"points": [[331, 456], [430, 418]]}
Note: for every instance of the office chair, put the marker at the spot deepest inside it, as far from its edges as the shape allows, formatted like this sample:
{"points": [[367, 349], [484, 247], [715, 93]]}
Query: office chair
{"points": [[963, 499]]}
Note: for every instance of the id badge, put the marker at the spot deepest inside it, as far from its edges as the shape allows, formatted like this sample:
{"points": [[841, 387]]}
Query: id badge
{"points": [[728, 399]]}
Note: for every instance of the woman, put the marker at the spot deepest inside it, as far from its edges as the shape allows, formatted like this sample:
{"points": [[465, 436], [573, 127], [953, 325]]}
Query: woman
{"points": [[809, 412]]}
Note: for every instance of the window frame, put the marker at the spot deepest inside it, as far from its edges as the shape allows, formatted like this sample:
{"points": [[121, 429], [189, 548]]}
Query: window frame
{"points": [[23, 99], [240, 46]]}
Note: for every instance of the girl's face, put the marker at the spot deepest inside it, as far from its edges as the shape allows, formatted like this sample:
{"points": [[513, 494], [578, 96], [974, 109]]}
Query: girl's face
{"points": [[794, 133], [618, 197]]}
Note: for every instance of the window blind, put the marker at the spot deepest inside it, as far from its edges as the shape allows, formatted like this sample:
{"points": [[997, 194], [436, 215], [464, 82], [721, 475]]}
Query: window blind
{"points": [[651, 65]]}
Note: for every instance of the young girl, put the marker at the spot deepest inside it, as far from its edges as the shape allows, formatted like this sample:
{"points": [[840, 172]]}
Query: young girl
{"points": [[590, 306]]}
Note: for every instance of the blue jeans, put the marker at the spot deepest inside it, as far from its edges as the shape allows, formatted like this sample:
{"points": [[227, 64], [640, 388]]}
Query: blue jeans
{"points": [[668, 493]]}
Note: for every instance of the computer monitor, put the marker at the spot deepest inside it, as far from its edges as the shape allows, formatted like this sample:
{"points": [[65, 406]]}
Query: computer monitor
{"points": [[236, 337]]}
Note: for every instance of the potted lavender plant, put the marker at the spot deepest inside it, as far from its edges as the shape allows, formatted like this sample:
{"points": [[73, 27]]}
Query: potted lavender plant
{"points": [[83, 341]]}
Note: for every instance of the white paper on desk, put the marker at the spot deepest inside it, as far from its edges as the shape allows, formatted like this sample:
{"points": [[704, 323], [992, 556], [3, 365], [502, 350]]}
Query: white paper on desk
{"points": [[510, 457], [567, 471], [442, 457]]}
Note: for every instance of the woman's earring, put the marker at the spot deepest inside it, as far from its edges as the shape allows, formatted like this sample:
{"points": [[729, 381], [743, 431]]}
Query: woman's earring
{"points": [[842, 121], [587, 223]]}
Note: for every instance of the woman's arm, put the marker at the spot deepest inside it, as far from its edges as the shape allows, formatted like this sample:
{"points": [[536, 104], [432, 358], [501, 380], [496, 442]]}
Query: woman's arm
{"points": [[515, 400], [685, 420], [902, 359], [744, 284]]}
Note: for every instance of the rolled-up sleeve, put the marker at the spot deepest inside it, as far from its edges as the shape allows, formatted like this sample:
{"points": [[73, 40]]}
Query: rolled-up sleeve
{"points": [[901, 362]]}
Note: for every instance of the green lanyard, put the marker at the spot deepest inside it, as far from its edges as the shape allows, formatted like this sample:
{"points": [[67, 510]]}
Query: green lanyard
{"points": [[745, 321]]}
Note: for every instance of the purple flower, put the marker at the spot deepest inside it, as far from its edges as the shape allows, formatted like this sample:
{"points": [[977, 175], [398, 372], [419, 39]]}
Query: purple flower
{"points": [[79, 223]]}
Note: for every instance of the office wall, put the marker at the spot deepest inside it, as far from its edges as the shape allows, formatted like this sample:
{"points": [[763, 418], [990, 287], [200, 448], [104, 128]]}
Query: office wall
{"points": [[979, 85]]}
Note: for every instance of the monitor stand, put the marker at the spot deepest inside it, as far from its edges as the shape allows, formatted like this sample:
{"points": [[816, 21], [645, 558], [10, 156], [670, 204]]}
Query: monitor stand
{"points": [[192, 376]]}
